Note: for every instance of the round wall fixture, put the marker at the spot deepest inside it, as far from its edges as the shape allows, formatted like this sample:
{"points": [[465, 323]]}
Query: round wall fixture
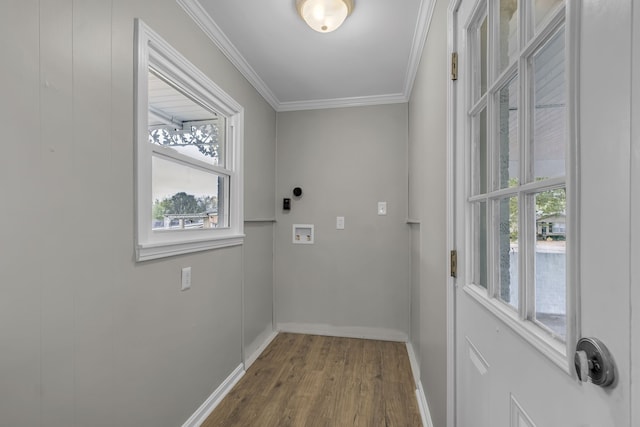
{"points": [[297, 191]]}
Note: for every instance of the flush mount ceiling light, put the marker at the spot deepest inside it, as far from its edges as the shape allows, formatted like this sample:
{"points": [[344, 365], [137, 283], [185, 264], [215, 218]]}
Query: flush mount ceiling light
{"points": [[324, 16]]}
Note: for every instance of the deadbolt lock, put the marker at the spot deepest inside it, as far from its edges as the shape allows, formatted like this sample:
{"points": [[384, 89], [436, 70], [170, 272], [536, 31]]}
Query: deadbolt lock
{"points": [[594, 363]]}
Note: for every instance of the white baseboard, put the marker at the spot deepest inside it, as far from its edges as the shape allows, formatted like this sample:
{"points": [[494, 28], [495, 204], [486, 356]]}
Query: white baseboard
{"points": [[216, 397], [343, 331], [263, 340], [413, 360], [423, 406]]}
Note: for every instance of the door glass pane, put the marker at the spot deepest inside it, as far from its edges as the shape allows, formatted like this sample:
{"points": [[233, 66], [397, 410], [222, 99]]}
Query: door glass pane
{"points": [[480, 151], [551, 261], [480, 244], [549, 98], [508, 33], [480, 53], [509, 163], [483, 57], [542, 8], [508, 250]]}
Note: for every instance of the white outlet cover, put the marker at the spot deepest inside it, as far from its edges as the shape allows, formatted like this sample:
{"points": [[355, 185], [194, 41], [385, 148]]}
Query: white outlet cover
{"points": [[340, 223]]}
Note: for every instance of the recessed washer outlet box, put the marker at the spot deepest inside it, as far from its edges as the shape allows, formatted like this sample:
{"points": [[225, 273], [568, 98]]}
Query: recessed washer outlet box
{"points": [[303, 234]]}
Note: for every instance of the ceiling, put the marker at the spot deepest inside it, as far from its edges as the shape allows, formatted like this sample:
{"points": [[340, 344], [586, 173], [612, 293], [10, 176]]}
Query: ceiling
{"points": [[371, 59]]}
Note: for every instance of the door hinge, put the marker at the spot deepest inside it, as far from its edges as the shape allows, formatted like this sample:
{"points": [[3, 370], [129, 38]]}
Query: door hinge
{"points": [[454, 264], [454, 65]]}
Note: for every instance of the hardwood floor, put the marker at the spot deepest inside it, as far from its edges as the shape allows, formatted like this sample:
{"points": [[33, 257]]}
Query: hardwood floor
{"points": [[309, 381]]}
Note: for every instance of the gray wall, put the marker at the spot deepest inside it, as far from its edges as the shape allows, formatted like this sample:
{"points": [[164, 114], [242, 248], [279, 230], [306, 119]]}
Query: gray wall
{"points": [[427, 203], [353, 281], [89, 337], [258, 286]]}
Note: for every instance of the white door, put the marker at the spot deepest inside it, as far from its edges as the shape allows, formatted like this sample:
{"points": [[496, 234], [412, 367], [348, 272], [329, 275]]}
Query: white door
{"points": [[542, 137]]}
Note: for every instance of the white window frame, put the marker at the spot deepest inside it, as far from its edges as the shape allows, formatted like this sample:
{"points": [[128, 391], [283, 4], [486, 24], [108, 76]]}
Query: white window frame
{"points": [[154, 52], [566, 15]]}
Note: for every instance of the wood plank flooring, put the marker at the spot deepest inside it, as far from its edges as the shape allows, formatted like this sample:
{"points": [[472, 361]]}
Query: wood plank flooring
{"points": [[309, 381]]}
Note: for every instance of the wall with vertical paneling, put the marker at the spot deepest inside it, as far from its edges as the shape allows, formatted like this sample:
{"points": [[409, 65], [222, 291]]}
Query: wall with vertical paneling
{"points": [[427, 204], [88, 336]]}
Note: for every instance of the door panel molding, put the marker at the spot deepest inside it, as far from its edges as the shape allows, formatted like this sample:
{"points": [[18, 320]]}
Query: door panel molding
{"points": [[519, 417]]}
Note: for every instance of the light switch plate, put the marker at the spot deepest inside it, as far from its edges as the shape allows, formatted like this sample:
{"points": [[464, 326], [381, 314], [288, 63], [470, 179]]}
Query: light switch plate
{"points": [[382, 208], [186, 278]]}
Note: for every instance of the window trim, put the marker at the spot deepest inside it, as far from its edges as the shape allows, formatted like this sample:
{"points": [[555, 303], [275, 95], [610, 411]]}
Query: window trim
{"points": [[567, 15], [153, 51]]}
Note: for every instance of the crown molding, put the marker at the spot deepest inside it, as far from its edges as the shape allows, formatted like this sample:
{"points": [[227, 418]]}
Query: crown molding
{"points": [[425, 15], [357, 101], [201, 17]]}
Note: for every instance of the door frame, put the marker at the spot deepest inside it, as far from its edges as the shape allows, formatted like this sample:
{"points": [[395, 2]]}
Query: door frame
{"points": [[450, 216], [634, 283]]}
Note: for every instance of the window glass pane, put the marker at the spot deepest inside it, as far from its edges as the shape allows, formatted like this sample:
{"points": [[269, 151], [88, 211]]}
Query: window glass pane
{"points": [[551, 260], [508, 33], [509, 163], [179, 123], [480, 244], [549, 98], [508, 250], [185, 197], [542, 8], [480, 151]]}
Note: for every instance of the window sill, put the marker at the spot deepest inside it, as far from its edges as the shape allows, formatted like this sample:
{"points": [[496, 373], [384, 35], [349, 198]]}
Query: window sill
{"points": [[530, 332], [149, 251]]}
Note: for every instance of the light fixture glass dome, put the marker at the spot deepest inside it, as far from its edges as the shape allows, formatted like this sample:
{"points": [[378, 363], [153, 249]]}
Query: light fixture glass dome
{"points": [[324, 16]]}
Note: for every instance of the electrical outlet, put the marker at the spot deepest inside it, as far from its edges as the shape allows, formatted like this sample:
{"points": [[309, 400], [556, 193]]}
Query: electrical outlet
{"points": [[186, 278], [340, 223]]}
